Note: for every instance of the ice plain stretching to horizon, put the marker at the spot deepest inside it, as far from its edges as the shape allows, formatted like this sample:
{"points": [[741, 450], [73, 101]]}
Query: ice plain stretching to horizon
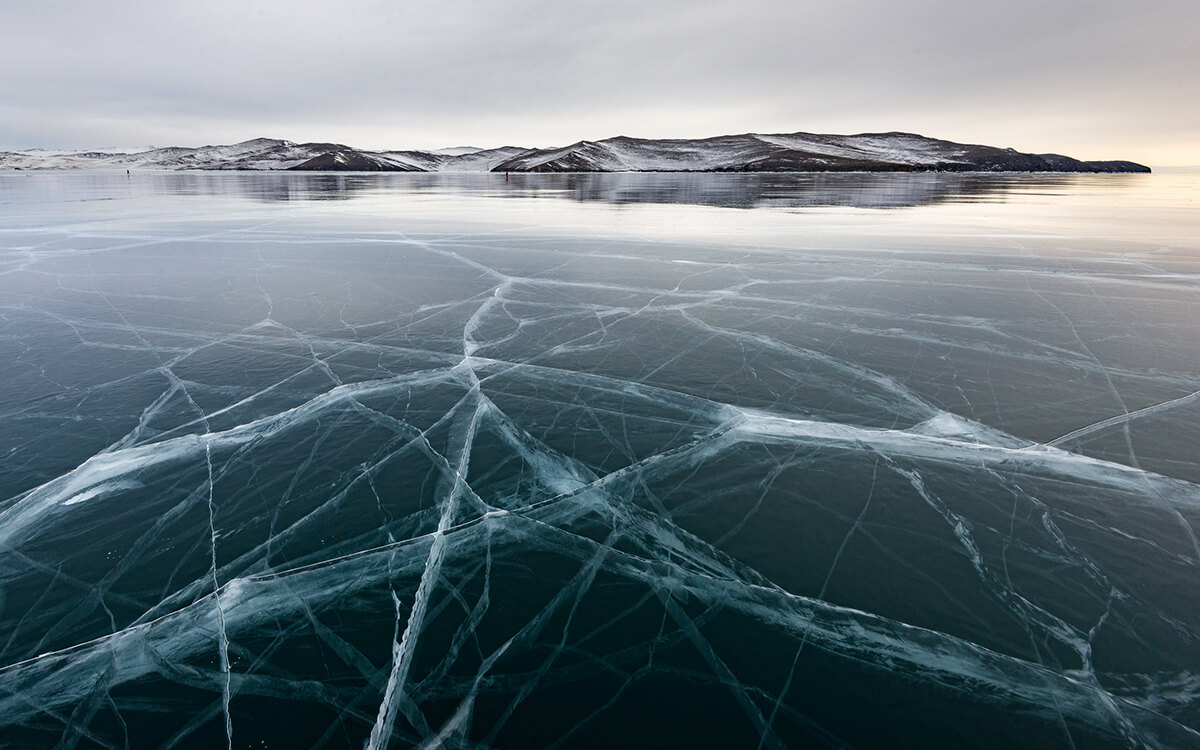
{"points": [[637, 460]]}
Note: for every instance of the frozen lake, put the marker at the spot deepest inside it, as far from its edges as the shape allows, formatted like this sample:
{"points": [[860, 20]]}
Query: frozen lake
{"points": [[319, 460]]}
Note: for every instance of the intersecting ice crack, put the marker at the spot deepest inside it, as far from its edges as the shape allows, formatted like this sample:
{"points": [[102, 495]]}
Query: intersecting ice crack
{"points": [[1124, 419], [1103, 370], [223, 633], [403, 654], [223, 637], [430, 522]]}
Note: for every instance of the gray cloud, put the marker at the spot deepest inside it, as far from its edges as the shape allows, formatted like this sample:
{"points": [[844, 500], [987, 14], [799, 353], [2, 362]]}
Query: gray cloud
{"points": [[1094, 79]]}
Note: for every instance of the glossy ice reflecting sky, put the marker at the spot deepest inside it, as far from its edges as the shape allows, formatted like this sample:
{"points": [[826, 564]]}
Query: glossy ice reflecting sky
{"points": [[587, 460]]}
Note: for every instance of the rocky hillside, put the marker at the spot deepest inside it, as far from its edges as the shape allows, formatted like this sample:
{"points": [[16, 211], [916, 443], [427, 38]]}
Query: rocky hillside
{"points": [[752, 152]]}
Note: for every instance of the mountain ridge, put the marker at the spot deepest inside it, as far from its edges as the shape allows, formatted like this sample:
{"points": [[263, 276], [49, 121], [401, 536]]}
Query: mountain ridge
{"points": [[891, 151]]}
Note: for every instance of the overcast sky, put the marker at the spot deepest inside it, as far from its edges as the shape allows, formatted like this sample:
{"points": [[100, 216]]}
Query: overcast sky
{"points": [[1094, 79]]}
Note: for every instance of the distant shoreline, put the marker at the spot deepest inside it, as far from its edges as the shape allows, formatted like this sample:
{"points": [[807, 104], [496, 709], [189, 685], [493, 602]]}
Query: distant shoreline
{"points": [[998, 173], [746, 153]]}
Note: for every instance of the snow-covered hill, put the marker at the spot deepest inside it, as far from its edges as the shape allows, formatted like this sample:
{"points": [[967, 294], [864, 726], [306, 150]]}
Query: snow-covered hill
{"points": [[798, 152], [751, 152]]}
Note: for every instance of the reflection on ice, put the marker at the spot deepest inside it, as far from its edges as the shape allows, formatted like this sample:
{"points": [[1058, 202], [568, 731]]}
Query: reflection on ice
{"points": [[730, 190], [334, 478]]}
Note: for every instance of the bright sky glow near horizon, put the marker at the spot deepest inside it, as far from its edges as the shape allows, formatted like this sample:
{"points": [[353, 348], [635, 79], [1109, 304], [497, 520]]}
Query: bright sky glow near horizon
{"points": [[1093, 79]]}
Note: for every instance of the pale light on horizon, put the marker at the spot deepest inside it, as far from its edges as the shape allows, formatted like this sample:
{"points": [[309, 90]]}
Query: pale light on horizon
{"points": [[1092, 80]]}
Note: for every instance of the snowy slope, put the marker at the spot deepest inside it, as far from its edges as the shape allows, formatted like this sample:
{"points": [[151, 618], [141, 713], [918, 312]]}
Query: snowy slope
{"points": [[458, 150], [897, 148], [480, 160], [750, 152], [797, 152]]}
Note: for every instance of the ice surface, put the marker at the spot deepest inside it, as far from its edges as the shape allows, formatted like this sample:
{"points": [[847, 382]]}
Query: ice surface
{"points": [[574, 463]]}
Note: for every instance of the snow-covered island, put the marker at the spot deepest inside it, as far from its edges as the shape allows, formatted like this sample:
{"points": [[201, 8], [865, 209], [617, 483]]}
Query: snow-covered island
{"points": [[751, 152]]}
